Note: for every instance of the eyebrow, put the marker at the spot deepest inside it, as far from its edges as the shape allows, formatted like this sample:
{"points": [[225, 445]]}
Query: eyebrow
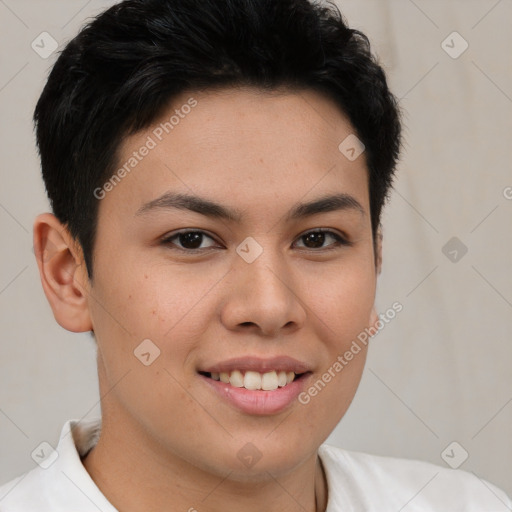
{"points": [[209, 208]]}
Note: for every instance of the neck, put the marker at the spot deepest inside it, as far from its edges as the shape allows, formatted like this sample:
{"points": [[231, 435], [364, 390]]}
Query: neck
{"points": [[165, 482]]}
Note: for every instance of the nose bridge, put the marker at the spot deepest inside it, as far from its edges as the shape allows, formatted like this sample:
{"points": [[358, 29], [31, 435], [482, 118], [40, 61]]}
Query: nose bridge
{"points": [[267, 282], [265, 267], [262, 291]]}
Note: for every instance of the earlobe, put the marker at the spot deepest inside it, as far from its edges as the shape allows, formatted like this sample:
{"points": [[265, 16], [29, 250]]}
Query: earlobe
{"points": [[61, 268], [374, 318]]}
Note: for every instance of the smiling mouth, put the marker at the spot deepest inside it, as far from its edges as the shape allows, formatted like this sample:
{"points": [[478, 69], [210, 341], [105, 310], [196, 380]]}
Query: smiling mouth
{"points": [[268, 381]]}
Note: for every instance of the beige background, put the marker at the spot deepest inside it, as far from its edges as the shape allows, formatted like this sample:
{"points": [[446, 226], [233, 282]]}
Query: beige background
{"points": [[438, 373]]}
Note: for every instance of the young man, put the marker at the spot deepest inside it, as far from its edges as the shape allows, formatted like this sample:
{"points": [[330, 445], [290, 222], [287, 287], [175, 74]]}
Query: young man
{"points": [[217, 172]]}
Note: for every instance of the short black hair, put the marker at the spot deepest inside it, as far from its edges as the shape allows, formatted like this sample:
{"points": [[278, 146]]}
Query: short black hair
{"points": [[125, 66]]}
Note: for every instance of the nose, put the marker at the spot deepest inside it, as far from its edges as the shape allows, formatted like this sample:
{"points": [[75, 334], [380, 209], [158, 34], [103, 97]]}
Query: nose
{"points": [[263, 296]]}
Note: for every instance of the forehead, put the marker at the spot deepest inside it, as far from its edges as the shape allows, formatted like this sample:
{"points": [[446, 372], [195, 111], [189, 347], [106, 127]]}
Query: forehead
{"points": [[241, 146]]}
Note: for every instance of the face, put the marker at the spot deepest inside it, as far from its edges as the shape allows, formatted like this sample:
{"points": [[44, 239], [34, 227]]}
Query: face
{"points": [[250, 286]]}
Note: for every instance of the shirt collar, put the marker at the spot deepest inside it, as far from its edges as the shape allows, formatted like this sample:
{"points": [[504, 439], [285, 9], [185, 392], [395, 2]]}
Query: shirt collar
{"points": [[66, 483]]}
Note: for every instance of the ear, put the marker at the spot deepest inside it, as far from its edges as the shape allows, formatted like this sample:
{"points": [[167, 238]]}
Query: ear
{"points": [[374, 317], [378, 251], [63, 274]]}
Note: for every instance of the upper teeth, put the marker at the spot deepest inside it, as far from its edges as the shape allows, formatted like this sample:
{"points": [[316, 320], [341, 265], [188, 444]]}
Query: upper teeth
{"points": [[255, 380]]}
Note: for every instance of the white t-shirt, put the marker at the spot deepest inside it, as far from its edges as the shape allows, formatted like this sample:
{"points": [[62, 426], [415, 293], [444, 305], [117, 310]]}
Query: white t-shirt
{"points": [[357, 482]]}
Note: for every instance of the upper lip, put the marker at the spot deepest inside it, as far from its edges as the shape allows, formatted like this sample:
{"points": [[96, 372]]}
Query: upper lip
{"points": [[258, 364]]}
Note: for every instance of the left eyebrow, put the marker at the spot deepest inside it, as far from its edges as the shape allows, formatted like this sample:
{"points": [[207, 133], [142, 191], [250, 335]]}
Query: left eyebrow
{"points": [[326, 204], [209, 208]]}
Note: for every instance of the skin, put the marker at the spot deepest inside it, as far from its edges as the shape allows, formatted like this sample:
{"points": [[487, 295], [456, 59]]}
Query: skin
{"points": [[168, 442]]}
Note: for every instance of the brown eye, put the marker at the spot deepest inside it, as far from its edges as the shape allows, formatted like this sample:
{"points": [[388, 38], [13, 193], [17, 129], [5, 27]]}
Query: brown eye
{"points": [[188, 240], [316, 239]]}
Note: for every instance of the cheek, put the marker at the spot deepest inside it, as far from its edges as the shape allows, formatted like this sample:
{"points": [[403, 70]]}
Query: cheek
{"points": [[342, 300], [165, 305], [343, 316], [147, 298]]}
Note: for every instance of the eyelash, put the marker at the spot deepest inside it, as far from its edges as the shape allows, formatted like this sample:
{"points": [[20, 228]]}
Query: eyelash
{"points": [[340, 241]]}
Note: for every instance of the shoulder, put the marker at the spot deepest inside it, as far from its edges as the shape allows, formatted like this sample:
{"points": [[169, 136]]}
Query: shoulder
{"points": [[380, 483]]}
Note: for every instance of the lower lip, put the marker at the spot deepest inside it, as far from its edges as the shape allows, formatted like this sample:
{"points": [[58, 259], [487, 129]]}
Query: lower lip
{"points": [[258, 402]]}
